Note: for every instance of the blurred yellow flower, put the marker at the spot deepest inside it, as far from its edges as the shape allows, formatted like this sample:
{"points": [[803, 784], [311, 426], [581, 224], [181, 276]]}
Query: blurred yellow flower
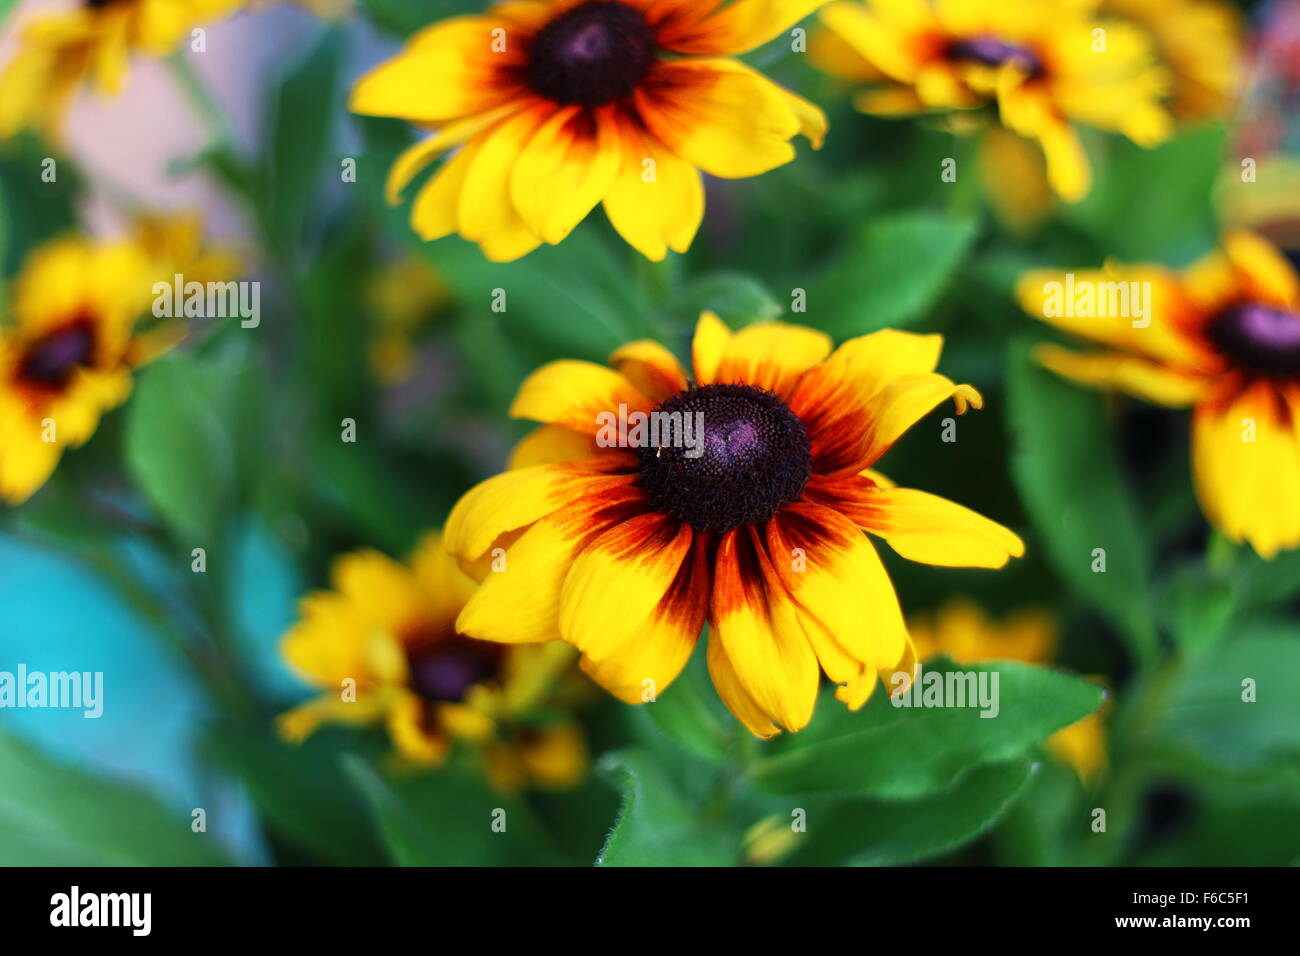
{"points": [[91, 43], [383, 646], [623, 546], [1199, 41], [68, 355], [558, 105], [1044, 64], [962, 631], [1222, 337]]}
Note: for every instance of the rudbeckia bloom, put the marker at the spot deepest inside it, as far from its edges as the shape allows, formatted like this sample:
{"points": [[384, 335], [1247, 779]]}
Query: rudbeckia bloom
{"points": [[558, 105], [384, 648], [756, 524], [1199, 41], [68, 355], [1044, 64], [90, 43], [961, 630], [1222, 337]]}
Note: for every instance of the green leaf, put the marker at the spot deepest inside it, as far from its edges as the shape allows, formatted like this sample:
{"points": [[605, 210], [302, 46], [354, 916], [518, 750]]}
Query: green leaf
{"points": [[300, 129], [1204, 712], [1069, 477], [737, 299], [405, 17], [1200, 604], [894, 271], [177, 451], [890, 832], [55, 815], [448, 818], [657, 825], [903, 752], [690, 713], [301, 794]]}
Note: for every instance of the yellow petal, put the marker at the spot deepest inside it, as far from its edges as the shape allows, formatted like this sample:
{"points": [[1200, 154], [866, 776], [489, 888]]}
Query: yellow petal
{"points": [[577, 395], [932, 530]]}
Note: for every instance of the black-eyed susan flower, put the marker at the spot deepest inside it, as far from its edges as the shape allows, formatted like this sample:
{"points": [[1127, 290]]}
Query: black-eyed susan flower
{"points": [[90, 44], [964, 632], [67, 356], [383, 647], [1222, 337], [1041, 65], [755, 524], [559, 105], [1199, 42]]}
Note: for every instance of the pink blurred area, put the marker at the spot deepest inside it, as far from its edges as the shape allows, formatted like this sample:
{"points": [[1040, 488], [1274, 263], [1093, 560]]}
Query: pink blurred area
{"points": [[125, 146]]}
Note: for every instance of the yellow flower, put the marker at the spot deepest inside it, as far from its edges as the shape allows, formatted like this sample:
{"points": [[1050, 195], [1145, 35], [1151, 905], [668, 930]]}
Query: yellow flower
{"points": [[965, 633], [383, 646], [1199, 41], [558, 105], [1222, 337], [753, 521], [90, 43], [68, 355], [1044, 64]]}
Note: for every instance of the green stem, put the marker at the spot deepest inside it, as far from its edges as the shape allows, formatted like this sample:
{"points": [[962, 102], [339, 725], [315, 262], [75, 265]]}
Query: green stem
{"points": [[201, 99]]}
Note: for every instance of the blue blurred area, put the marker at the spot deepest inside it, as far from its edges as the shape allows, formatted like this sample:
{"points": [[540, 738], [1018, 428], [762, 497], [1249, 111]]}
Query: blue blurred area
{"points": [[57, 616]]}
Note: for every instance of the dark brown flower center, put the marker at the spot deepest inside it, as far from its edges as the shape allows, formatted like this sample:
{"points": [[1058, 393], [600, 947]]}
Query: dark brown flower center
{"points": [[50, 361], [445, 669], [991, 51], [593, 54], [748, 457], [1259, 338]]}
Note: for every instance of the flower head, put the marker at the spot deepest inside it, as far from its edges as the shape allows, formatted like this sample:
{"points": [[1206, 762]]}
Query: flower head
{"points": [[558, 105], [964, 632], [755, 524], [69, 353], [383, 647], [90, 43], [1222, 337], [1044, 65]]}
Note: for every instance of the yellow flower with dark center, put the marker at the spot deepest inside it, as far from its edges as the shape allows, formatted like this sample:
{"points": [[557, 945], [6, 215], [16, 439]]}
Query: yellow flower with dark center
{"points": [[558, 105], [755, 523], [961, 630], [90, 43], [1222, 337], [1200, 43], [1044, 64], [383, 646], [68, 355]]}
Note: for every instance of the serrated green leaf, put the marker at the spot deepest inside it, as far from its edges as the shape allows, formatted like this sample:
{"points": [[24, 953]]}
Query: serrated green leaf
{"points": [[900, 752], [656, 826], [894, 271], [890, 832]]}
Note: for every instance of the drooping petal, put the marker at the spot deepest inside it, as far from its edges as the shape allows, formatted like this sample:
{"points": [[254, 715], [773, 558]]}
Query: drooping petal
{"points": [[1136, 376], [900, 405], [733, 693], [656, 198], [772, 656], [634, 604], [720, 116], [932, 530]]}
